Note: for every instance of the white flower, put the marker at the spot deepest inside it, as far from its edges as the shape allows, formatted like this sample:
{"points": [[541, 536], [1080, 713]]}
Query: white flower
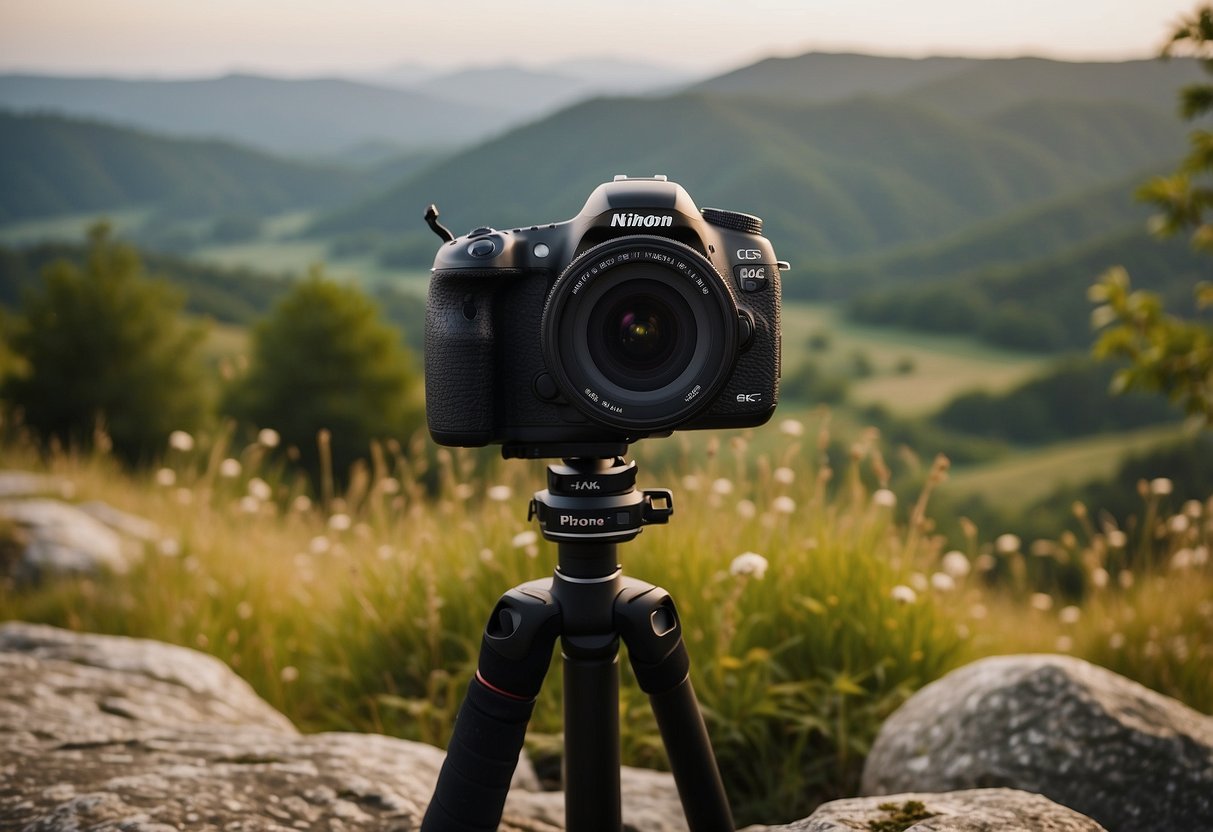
{"points": [[791, 427], [902, 594], [884, 498], [260, 489], [1161, 487], [179, 440], [389, 485], [1178, 524], [523, 539], [1099, 577], [250, 504], [784, 504], [499, 493], [1069, 615], [784, 476], [464, 491], [1182, 559], [319, 545], [1064, 644], [943, 582], [956, 564], [722, 486], [301, 503], [486, 555], [749, 564], [1193, 508], [229, 468], [1116, 641], [1200, 555], [690, 482], [385, 552], [1041, 601], [340, 522], [166, 477], [1117, 539], [746, 509], [169, 547], [268, 437], [919, 582], [1007, 544], [184, 496]]}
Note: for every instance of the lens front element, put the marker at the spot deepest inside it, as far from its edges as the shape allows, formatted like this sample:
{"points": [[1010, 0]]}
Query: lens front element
{"points": [[640, 332]]}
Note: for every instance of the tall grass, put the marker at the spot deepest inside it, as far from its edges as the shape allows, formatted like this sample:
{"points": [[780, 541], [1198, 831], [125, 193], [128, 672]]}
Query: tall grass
{"points": [[812, 604]]}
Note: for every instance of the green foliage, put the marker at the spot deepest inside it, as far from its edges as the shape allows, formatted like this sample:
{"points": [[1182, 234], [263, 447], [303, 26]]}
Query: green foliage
{"points": [[325, 361], [1164, 352], [103, 348], [810, 383], [1070, 400]]}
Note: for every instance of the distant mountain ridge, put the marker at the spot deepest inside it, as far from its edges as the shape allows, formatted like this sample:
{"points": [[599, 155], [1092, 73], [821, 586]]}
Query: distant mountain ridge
{"points": [[302, 117], [52, 165]]}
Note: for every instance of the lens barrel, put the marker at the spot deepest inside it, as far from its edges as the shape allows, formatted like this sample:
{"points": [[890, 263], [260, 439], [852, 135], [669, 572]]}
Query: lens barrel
{"points": [[640, 332]]}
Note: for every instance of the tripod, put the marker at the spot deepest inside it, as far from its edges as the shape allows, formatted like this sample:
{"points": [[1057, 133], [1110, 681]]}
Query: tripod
{"points": [[589, 507]]}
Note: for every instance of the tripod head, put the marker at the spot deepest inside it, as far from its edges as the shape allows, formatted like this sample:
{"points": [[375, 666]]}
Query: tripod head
{"points": [[596, 500]]}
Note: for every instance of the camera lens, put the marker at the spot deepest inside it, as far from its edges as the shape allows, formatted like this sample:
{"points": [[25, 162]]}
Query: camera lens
{"points": [[640, 332]]}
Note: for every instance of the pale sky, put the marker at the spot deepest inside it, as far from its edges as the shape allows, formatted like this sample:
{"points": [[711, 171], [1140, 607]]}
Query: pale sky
{"points": [[172, 38]]}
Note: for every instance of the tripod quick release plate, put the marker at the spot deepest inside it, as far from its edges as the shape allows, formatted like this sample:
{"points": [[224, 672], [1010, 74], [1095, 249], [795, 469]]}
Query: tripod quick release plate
{"points": [[597, 499]]}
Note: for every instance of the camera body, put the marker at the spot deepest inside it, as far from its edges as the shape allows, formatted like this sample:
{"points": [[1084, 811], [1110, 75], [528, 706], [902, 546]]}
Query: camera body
{"points": [[639, 316]]}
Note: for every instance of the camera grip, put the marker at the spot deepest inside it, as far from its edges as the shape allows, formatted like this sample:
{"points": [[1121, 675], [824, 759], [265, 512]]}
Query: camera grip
{"points": [[459, 359]]}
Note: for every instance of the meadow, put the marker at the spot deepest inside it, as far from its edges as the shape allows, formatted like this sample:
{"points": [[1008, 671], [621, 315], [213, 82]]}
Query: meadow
{"points": [[814, 604]]}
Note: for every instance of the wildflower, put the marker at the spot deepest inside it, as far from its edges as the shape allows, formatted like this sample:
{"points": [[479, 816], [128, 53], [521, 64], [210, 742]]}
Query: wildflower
{"points": [[389, 485], [268, 437], [1178, 524], [1069, 615], [1193, 508], [1099, 577], [340, 522], [244, 610], [784, 475], [722, 486], [784, 504], [289, 674], [169, 547], [1125, 579], [1200, 555], [791, 427], [746, 509], [166, 477], [943, 582], [1117, 539], [250, 504], [523, 539], [260, 489], [884, 498], [919, 581], [184, 496], [499, 493], [1161, 487], [690, 482], [956, 564], [1041, 601], [229, 468], [179, 440], [984, 563], [749, 564], [301, 504], [902, 594], [1116, 641], [385, 552], [319, 545], [486, 555], [1182, 560], [464, 491], [978, 611], [1064, 644], [1007, 544]]}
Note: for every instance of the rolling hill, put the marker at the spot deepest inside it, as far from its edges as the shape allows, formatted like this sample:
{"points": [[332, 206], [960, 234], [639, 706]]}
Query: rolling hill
{"points": [[832, 180], [286, 116], [51, 165]]}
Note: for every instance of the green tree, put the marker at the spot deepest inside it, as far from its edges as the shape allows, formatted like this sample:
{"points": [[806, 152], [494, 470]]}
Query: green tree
{"points": [[1165, 352], [104, 346], [324, 360]]}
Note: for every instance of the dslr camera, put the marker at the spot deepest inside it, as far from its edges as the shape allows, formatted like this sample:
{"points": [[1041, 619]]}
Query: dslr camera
{"points": [[639, 316]]}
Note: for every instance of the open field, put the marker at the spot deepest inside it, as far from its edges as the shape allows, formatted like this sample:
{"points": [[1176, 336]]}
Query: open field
{"points": [[70, 227], [942, 365]]}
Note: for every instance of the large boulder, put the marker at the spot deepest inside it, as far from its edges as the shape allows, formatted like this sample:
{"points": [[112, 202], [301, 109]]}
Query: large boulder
{"points": [[58, 538], [108, 733], [1081, 735], [978, 810]]}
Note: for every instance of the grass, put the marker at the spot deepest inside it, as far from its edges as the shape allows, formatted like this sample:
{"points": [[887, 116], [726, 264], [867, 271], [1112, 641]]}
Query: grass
{"points": [[1020, 479], [809, 613]]}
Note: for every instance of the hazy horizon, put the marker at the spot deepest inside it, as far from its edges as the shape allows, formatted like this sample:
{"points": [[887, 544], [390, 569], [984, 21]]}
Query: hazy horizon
{"points": [[141, 39]]}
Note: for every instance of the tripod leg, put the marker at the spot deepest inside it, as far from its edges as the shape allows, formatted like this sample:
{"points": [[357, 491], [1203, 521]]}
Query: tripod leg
{"points": [[491, 725], [591, 737], [649, 624]]}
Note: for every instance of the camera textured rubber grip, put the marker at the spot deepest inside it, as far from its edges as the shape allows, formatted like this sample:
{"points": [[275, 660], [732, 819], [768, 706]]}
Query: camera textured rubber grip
{"points": [[459, 357], [480, 762]]}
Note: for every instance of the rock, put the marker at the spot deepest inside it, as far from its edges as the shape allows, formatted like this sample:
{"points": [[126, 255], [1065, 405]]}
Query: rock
{"points": [[62, 539], [28, 484], [1083, 736], [103, 732], [978, 810]]}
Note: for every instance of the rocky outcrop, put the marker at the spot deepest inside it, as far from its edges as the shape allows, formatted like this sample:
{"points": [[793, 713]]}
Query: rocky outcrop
{"points": [[1087, 738], [103, 732], [978, 810]]}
